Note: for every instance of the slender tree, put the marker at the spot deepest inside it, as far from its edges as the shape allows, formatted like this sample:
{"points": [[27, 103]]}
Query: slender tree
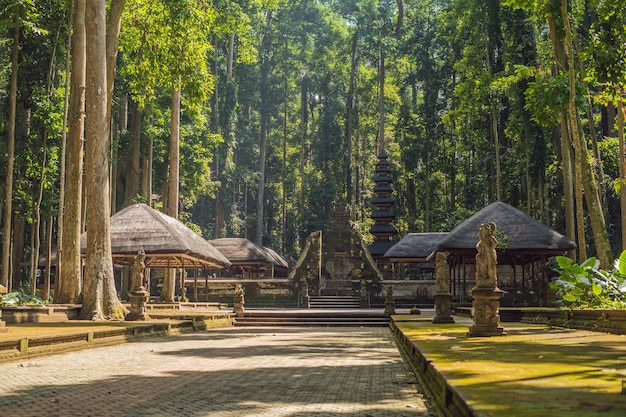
{"points": [[69, 280]]}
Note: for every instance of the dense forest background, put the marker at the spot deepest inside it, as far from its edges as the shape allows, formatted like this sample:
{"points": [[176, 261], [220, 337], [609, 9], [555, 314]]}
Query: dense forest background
{"points": [[284, 106]]}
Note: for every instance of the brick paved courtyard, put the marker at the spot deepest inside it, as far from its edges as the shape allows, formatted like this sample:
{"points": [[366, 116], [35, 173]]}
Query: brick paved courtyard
{"points": [[269, 372]]}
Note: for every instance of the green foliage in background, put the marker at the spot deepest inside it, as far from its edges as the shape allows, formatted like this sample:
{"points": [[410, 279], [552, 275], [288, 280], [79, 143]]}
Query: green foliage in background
{"points": [[588, 286]]}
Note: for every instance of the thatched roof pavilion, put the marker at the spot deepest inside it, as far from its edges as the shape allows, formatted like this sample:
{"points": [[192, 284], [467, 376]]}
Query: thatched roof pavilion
{"points": [[523, 242], [167, 242], [248, 258], [413, 251], [415, 247]]}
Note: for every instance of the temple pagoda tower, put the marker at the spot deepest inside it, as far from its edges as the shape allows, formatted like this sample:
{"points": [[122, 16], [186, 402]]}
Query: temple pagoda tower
{"points": [[382, 214]]}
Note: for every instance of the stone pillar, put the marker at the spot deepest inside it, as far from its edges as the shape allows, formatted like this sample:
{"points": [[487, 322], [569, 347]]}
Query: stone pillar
{"points": [[3, 324], [363, 294], [138, 295], [390, 303], [305, 298], [486, 294], [443, 298], [239, 301]]}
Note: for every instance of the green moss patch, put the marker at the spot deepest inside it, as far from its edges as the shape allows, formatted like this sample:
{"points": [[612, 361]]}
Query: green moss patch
{"points": [[533, 371]]}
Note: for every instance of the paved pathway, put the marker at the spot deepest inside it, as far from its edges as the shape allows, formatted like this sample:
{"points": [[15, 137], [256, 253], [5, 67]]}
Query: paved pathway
{"points": [[262, 372]]}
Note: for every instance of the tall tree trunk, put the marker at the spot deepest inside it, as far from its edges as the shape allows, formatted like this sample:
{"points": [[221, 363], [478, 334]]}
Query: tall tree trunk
{"points": [[37, 223], [69, 282], [622, 167], [265, 115], [18, 244], [8, 202], [174, 155], [221, 149], [496, 145], [427, 196], [146, 180], [168, 289], [100, 298], [114, 25], [63, 150], [381, 102], [120, 123], [596, 214], [133, 167], [304, 129], [350, 117], [568, 184], [46, 293]]}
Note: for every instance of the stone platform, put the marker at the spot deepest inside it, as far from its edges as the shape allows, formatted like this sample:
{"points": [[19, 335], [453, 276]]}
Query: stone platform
{"points": [[535, 371]]}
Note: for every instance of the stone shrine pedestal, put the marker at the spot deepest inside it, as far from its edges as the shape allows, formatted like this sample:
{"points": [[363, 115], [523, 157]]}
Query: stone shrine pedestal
{"points": [[239, 301], [486, 312], [443, 298], [138, 299], [390, 302], [3, 324], [443, 308]]}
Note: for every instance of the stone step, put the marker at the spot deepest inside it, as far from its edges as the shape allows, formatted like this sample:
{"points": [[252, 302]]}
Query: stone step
{"points": [[312, 321], [326, 318], [329, 301]]}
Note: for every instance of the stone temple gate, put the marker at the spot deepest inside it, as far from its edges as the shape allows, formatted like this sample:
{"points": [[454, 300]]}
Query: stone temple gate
{"points": [[336, 260]]}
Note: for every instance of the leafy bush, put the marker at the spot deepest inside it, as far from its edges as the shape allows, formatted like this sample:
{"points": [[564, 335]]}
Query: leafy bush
{"points": [[22, 297], [588, 286]]}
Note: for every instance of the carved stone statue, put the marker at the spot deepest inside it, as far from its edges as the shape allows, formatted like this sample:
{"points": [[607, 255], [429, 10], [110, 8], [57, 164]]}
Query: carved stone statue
{"points": [[486, 293], [136, 270], [443, 298], [138, 295], [390, 302], [239, 300], [486, 258], [442, 275]]}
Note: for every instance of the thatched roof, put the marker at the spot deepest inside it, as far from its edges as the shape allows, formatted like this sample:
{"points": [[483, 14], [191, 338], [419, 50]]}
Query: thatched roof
{"points": [[414, 247], [241, 251], [516, 231], [166, 241], [278, 260]]}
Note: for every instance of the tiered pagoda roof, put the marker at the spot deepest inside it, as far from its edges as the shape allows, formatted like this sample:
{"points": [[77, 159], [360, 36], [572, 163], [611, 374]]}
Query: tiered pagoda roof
{"points": [[383, 214]]}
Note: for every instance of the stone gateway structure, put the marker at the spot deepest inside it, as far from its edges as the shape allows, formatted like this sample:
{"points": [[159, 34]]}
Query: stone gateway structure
{"points": [[336, 260]]}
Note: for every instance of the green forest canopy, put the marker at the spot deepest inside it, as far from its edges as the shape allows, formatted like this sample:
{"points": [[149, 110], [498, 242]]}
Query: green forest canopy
{"points": [[281, 100]]}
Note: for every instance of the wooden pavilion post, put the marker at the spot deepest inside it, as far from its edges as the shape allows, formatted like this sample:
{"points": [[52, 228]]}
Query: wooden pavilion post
{"points": [[183, 288], [195, 283], [206, 284]]}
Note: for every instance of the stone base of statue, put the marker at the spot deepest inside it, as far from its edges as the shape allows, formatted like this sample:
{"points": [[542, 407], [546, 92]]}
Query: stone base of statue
{"points": [[390, 306], [486, 312], [443, 308], [3, 324], [138, 299], [239, 310]]}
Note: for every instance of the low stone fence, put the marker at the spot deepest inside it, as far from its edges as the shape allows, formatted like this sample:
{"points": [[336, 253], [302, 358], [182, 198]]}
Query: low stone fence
{"points": [[608, 321], [416, 290], [40, 314]]}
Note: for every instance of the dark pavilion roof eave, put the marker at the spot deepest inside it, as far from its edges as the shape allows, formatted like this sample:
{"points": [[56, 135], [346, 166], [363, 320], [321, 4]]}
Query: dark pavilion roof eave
{"points": [[242, 252], [415, 246], [524, 235]]}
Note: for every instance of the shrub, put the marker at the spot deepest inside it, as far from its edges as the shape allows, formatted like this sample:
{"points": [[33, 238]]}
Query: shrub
{"points": [[22, 296], [588, 286]]}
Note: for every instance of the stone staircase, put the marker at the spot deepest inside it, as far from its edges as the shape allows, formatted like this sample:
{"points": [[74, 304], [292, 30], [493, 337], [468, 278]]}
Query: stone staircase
{"points": [[318, 317], [333, 301]]}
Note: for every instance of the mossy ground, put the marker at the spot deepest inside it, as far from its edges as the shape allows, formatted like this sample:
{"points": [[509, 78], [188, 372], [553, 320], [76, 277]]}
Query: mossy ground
{"points": [[535, 370]]}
